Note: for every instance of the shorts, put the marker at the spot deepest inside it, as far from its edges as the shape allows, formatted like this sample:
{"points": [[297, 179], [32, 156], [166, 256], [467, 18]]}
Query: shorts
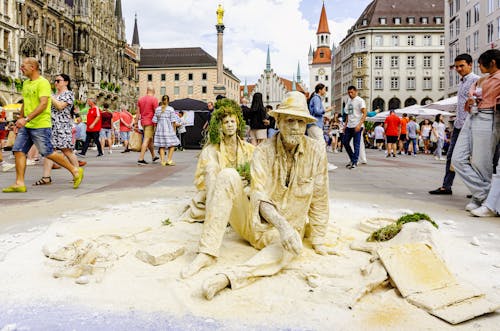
{"points": [[392, 139], [3, 134], [258, 134], [149, 131], [402, 137], [105, 134], [379, 141], [41, 138], [124, 136]]}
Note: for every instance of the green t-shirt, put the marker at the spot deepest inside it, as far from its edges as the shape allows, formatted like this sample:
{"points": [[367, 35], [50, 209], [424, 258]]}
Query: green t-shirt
{"points": [[33, 90]]}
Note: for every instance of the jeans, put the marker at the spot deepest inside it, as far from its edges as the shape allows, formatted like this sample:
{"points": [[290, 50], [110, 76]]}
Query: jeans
{"points": [[349, 134], [473, 155], [92, 136], [41, 138], [449, 175], [439, 148], [412, 141]]}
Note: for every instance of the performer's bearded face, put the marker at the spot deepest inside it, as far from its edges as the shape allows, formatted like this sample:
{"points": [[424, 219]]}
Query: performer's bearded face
{"points": [[229, 125], [291, 128]]}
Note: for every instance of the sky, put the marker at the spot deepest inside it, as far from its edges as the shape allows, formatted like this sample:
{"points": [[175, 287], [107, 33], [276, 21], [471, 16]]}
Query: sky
{"points": [[287, 26]]}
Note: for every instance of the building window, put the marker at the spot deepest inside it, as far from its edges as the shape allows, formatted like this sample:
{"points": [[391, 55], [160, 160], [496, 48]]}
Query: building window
{"points": [[467, 19], [441, 40], [491, 5], [475, 37], [326, 78], [410, 83], [176, 77], [204, 76], [457, 27], [163, 90], [450, 78], [452, 8], [394, 83], [190, 76], [411, 61], [382, 20], [457, 5], [359, 83], [150, 77], [411, 20], [176, 90], [427, 83], [379, 83], [321, 54], [364, 22], [394, 61], [163, 78], [379, 40], [438, 20], [467, 44], [379, 62], [190, 90], [476, 13], [359, 62], [424, 20], [397, 20], [395, 40], [441, 83], [326, 88], [427, 61], [452, 30], [362, 43], [427, 40], [204, 89], [498, 21], [326, 99], [441, 61], [317, 78], [489, 28], [411, 40]]}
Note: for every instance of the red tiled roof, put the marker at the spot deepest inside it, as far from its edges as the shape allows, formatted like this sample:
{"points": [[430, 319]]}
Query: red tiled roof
{"points": [[323, 22], [326, 58], [288, 85]]}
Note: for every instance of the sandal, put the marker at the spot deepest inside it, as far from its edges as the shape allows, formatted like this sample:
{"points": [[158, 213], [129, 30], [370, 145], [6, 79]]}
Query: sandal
{"points": [[43, 181]]}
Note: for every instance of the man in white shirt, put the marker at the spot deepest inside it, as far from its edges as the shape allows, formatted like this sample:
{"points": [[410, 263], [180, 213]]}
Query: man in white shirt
{"points": [[355, 110]]}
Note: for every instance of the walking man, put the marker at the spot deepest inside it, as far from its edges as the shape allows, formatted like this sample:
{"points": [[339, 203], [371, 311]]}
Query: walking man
{"points": [[35, 127], [147, 106], [463, 66], [93, 128], [356, 115], [126, 124], [392, 127]]}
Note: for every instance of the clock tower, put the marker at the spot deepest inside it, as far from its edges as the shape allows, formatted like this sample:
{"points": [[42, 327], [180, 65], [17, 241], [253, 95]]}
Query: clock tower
{"points": [[320, 59]]}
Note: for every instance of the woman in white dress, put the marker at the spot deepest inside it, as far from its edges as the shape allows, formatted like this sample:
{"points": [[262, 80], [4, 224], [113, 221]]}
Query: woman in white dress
{"points": [[165, 135]]}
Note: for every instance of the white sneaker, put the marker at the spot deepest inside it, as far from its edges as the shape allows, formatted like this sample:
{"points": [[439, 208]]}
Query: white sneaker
{"points": [[436, 158], [110, 152], [331, 167], [471, 206], [7, 166], [30, 162], [442, 159], [483, 211]]}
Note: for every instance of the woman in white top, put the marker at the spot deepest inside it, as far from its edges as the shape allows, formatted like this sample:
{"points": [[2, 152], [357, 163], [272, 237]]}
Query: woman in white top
{"points": [[438, 129], [425, 134]]}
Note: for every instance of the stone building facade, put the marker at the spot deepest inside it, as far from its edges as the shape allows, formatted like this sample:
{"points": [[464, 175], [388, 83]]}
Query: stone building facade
{"points": [[183, 73], [394, 55], [82, 38], [470, 27]]}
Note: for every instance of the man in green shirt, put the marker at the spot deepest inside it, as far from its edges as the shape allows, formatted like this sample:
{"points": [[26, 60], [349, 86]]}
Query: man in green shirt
{"points": [[35, 127]]}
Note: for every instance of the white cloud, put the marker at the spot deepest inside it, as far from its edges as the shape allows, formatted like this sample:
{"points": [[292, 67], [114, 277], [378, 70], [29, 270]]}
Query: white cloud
{"points": [[250, 27]]}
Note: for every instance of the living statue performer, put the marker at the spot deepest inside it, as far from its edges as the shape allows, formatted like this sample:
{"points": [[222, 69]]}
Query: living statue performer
{"points": [[289, 188], [225, 149]]}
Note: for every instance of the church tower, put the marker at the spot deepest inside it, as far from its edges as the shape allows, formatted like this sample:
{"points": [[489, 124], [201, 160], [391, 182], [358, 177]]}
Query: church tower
{"points": [[136, 45], [320, 60]]}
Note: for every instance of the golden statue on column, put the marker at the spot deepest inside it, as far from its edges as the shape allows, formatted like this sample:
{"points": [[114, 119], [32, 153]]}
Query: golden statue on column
{"points": [[220, 14]]}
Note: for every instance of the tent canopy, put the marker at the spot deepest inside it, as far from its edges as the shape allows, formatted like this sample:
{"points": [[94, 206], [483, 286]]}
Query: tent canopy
{"points": [[449, 104], [12, 107], [188, 104], [416, 110]]}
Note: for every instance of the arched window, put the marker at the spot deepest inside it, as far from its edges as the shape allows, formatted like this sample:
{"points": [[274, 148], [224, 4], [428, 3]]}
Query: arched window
{"points": [[394, 103], [378, 103], [426, 101], [410, 102]]}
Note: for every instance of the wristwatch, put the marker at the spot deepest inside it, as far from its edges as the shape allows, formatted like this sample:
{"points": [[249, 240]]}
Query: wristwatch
{"points": [[27, 119]]}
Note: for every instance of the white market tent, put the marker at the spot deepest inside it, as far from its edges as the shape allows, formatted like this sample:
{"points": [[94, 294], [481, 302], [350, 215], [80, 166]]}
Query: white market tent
{"points": [[421, 112]]}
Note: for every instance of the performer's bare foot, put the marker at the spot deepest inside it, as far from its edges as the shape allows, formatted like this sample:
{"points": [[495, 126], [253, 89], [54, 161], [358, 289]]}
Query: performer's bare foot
{"points": [[201, 261], [214, 285]]}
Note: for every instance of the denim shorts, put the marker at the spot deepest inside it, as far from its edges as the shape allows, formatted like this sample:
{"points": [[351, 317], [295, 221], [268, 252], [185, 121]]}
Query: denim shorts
{"points": [[105, 133], [41, 138], [124, 135]]}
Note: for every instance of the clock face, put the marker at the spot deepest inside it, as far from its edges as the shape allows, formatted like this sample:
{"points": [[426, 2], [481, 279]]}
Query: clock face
{"points": [[321, 71]]}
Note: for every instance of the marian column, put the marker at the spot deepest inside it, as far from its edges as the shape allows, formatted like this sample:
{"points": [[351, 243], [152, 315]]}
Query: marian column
{"points": [[219, 88]]}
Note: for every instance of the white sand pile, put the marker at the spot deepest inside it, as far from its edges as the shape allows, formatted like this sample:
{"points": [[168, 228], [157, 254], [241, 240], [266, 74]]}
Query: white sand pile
{"points": [[314, 292]]}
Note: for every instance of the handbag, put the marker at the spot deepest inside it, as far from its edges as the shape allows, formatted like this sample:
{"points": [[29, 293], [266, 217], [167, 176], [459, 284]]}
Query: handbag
{"points": [[135, 141], [433, 137]]}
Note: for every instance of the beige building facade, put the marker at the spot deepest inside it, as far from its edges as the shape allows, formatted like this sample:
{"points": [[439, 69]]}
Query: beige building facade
{"points": [[183, 73], [472, 27], [393, 55]]}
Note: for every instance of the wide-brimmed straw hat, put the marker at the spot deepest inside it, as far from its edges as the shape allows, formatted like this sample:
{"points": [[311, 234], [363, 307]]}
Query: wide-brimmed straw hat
{"points": [[294, 104]]}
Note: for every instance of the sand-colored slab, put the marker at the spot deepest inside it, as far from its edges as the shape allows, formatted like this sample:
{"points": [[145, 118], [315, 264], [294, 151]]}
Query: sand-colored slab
{"points": [[415, 268], [159, 254], [465, 310], [442, 297]]}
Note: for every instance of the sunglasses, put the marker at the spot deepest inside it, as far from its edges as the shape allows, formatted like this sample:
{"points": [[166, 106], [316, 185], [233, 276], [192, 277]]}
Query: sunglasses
{"points": [[59, 80]]}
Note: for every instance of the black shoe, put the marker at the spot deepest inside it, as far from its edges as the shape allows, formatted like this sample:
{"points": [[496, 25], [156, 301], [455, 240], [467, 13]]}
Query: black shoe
{"points": [[353, 166], [388, 155], [441, 191], [99, 155], [125, 151], [140, 162], [393, 155], [348, 165], [468, 196], [156, 158]]}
